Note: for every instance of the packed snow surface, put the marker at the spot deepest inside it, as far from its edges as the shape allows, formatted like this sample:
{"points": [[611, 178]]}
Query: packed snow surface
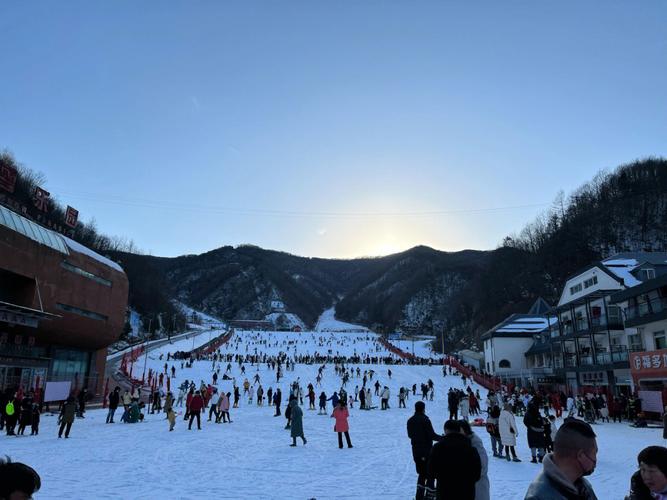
{"points": [[250, 458], [328, 323]]}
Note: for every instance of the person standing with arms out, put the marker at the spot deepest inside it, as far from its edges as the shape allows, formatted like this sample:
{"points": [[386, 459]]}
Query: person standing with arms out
{"points": [[422, 435], [563, 471], [455, 464], [341, 414], [114, 400], [296, 428], [66, 418]]}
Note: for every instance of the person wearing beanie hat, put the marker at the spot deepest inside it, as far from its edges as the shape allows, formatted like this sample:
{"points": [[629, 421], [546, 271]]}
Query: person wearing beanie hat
{"points": [[650, 481], [422, 435]]}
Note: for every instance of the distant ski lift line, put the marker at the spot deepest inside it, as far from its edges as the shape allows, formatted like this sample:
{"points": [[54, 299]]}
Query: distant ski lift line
{"points": [[145, 203]]}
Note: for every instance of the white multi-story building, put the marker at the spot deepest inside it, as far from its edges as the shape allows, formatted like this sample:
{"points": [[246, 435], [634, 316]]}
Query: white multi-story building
{"points": [[506, 343], [589, 349]]}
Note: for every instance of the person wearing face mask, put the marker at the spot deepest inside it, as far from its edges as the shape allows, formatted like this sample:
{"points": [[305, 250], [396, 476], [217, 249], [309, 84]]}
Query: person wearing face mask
{"points": [[650, 481], [574, 456]]}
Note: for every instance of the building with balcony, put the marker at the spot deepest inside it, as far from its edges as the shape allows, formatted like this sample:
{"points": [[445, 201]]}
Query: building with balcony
{"points": [[61, 305], [590, 347], [645, 318]]}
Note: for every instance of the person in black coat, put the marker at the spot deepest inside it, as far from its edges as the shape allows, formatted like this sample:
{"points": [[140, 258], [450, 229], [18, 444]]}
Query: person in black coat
{"points": [[82, 398], [25, 417], [455, 464], [535, 425], [422, 435], [114, 400]]}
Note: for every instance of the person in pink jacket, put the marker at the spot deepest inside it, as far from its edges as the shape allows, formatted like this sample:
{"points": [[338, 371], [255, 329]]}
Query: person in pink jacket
{"points": [[223, 408], [340, 413]]}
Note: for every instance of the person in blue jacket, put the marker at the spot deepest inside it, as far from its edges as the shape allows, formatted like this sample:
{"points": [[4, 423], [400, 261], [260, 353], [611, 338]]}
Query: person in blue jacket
{"points": [[334, 399]]}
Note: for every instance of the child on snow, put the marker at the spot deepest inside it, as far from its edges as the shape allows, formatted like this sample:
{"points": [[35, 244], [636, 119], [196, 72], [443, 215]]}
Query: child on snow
{"points": [[171, 416]]}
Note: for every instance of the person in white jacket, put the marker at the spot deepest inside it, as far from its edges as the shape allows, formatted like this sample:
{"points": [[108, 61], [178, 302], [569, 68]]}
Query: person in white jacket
{"points": [[384, 396], [464, 408], [482, 486], [508, 432]]}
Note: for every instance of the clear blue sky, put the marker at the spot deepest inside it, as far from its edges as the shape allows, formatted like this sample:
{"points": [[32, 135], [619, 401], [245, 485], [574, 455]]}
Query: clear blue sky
{"points": [[319, 127]]}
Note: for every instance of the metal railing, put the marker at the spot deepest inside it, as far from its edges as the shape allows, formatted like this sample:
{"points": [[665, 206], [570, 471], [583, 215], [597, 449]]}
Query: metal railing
{"points": [[653, 306]]}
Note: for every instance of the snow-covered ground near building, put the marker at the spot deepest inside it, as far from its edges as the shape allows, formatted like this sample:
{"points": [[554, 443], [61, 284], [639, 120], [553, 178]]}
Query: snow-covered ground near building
{"points": [[291, 319], [250, 458], [327, 322], [207, 321], [422, 348]]}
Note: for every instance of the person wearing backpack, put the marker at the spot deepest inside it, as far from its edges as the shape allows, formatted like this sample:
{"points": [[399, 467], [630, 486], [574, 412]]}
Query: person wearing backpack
{"points": [[494, 432], [11, 415]]}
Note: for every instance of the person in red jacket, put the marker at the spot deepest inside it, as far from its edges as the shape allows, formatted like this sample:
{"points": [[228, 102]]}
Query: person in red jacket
{"points": [[188, 400], [196, 406], [340, 413]]}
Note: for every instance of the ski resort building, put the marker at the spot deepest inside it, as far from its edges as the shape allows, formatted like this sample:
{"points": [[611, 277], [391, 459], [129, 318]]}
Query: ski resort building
{"points": [[590, 348], [506, 343], [645, 319], [61, 305]]}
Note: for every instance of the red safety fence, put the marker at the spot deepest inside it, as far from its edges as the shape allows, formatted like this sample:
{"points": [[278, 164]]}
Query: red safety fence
{"points": [[491, 383], [395, 350]]}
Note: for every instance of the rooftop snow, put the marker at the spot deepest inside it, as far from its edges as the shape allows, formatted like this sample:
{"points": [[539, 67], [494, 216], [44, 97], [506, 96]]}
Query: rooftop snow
{"points": [[623, 269], [78, 247]]}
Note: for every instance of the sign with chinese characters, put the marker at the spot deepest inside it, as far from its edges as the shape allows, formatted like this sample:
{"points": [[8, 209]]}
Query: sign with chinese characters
{"points": [[648, 362], [71, 217], [593, 378], [41, 199], [17, 319], [7, 178]]}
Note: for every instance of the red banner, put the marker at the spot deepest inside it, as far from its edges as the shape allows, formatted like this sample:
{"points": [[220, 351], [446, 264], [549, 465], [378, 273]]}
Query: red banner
{"points": [[71, 217], [7, 178], [41, 199], [648, 363]]}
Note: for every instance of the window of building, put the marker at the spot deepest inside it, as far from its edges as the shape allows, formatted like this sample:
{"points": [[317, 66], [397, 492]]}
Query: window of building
{"points": [[82, 312], [590, 282], [647, 274], [660, 340], [575, 289], [614, 314], [84, 273], [504, 364], [635, 342]]}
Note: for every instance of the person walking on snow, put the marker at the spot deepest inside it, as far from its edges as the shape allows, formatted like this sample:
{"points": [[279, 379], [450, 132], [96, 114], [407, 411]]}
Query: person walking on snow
{"points": [[296, 428], [341, 414]]}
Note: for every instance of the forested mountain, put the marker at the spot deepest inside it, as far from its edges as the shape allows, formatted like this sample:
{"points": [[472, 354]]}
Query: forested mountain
{"points": [[459, 293]]}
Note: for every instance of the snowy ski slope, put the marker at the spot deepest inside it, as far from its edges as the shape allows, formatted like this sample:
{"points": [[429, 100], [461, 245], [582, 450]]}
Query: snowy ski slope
{"points": [[250, 458]]}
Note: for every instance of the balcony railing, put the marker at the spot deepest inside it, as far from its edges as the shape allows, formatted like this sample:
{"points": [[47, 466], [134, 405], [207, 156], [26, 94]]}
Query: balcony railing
{"points": [[614, 322], [653, 306]]}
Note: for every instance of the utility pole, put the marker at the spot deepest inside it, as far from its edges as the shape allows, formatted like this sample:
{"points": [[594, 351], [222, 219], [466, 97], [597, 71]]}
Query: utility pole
{"points": [[150, 322]]}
